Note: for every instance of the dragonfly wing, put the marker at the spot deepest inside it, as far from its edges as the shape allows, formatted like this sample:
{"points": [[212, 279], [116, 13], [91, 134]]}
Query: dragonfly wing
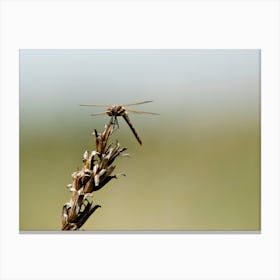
{"points": [[138, 103], [95, 105], [97, 114], [141, 112]]}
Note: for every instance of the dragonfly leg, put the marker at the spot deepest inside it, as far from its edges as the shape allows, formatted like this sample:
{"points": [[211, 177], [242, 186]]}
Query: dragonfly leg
{"points": [[117, 123], [114, 122]]}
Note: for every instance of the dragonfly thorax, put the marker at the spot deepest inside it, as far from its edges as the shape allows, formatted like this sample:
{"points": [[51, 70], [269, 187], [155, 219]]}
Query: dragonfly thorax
{"points": [[116, 110]]}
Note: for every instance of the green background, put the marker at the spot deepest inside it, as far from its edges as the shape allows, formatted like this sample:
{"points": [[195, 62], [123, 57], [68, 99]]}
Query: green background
{"points": [[199, 166]]}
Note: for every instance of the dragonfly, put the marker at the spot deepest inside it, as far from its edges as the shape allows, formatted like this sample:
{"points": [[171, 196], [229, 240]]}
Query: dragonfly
{"points": [[115, 111]]}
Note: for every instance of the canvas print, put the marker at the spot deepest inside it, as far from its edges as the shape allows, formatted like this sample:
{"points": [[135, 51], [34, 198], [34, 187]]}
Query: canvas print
{"points": [[156, 140]]}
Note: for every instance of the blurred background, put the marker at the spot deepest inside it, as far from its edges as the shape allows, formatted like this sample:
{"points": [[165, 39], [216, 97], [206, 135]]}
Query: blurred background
{"points": [[199, 166]]}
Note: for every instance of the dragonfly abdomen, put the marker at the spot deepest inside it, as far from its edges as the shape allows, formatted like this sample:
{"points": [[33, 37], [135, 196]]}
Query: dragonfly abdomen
{"points": [[125, 116]]}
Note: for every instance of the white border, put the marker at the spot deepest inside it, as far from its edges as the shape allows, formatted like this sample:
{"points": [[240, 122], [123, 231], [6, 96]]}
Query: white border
{"points": [[146, 24]]}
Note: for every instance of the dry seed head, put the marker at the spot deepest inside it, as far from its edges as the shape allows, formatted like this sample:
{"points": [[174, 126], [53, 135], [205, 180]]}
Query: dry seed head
{"points": [[95, 174]]}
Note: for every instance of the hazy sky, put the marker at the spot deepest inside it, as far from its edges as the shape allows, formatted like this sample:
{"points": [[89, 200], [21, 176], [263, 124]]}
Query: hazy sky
{"points": [[214, 78], [207, 87]]}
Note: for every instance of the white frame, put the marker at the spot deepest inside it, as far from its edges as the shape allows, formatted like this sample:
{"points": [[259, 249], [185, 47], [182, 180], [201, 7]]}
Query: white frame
{"points": [[139, 24]]}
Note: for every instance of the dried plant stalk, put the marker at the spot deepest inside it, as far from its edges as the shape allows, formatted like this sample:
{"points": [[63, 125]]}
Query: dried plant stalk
{"points": [[95, 174]]}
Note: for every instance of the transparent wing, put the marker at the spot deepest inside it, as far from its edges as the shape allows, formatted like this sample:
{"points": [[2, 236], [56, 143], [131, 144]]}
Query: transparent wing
{"points": [[141, 112], [98, 114], [95, 105], [138, 103], [104, 105]]}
